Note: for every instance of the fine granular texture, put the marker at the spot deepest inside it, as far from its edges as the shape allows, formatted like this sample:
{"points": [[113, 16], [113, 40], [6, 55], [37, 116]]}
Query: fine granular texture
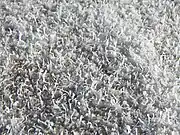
{"points": [[89, 67]]}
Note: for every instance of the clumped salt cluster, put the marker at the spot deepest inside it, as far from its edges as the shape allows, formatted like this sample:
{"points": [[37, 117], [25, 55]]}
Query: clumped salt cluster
{"points": [[93, 67]]}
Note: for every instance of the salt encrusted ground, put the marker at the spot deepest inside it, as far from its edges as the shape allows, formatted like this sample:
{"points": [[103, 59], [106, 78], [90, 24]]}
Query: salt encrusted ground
{"points": [[89, 67]]}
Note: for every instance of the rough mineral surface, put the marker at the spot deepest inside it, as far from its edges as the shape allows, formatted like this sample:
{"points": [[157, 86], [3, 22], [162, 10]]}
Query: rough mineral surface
{"points": [[89, 67]]}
